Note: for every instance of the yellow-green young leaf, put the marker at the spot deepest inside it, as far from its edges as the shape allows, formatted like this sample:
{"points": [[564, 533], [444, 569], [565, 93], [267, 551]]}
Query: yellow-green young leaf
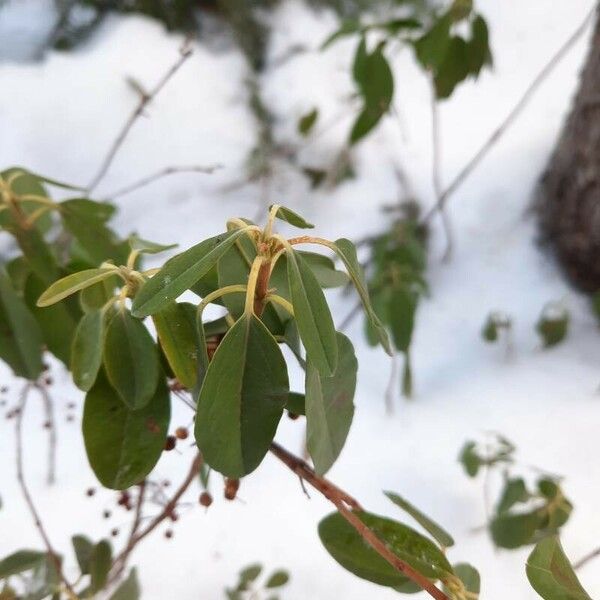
{"points": [[100, 563], [20, 335], [131, 359], [176, 328], [347, 252], [551, 574], [293, 218], [312, 315], [146, 247], [123, 445], [73, 283], [86, 355], [181, 272], [129, 589], [349, 549], [242, 399], [470, 580], [438, 533], [330, 407]]}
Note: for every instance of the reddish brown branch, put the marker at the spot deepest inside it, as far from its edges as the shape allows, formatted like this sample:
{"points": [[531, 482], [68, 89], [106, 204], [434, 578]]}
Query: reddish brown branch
{"points": [[345, 504], [53, 556], [121, 560], [145, 99]]}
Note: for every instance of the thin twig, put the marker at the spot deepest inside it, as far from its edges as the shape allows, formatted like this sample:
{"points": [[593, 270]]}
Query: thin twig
{"points": [[145, 98], [345, 505], [144, 181], [436, 172], [121, 560], [51, 426], [511, 117], [53, 556], [587, 558]]}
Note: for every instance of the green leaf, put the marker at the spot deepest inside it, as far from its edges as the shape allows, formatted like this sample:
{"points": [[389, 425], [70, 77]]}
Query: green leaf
{"points": [[330, 407], [73, 283], [20, 335], [323, 269], [312, 315], [100, 563], [38, 254], [181, 272], [351, 551], [88, 343], [96, 296], [146, 247], [349, 27], [250, 574], [514, 492], [131, 359], [551, 574], [367, 120], [479, 48], [307, 122], [20, 561], [454, 68], [431, 48], [129, 589], [291, 217], [553, 326], [277, 579], [57, 322], [176, 328], [402, 309], [296, 403], [347, 252], [438, 533], [123, 445], [470, 460], [242, 399], [511, 531], [83, 548]]}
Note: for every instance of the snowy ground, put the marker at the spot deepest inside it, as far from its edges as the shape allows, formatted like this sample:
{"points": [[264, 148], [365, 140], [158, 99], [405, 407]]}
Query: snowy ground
{"points": [[59, 116]]}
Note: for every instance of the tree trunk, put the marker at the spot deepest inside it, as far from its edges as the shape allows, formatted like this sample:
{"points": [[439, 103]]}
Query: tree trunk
{"points": [[569, 196]]}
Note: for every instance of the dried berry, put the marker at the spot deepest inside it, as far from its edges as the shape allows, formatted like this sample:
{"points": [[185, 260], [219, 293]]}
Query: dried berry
{"points": [[205, 499]]}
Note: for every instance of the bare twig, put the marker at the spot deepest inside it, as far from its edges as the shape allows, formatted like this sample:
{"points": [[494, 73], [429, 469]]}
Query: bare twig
{"points": [[145, 98], [510, 118], [345, 505], [587, 558], [51, 426], [144, 181], [53, 556], [120, 561]]}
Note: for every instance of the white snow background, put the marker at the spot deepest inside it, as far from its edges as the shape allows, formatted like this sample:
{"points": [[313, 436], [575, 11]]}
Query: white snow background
{"points": [[59, 116]]}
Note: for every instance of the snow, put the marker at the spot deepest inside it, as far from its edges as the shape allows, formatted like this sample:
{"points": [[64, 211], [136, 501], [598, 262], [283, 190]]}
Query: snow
{"points": [[59, 116]]}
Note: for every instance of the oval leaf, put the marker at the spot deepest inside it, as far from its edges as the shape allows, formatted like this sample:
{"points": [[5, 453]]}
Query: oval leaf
{"points": [[312, 315], [242, 399], [349, 549], [330, 407], [131, 359], [291, 217], [73, 283], [181, 272], [86, 355], [123, 445]]}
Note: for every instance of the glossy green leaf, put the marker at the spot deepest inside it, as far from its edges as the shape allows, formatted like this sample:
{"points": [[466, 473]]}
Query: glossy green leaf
{"points": [[330, 407], [347, 252], [431, 527], [19, 562], [123, 445], [20, 335], [131, 359], [242, 399], [349, 549], [88, 343], [73, 283], [312, 315], [129, 589], [181, 272], [307, 122], [100, 563], [551, 574], [146, 247], [83, 548], [176, 328], [291, 217]]}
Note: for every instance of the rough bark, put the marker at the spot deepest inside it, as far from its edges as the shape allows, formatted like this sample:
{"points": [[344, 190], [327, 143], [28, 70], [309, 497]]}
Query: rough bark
{"points": [[568, 204]]}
